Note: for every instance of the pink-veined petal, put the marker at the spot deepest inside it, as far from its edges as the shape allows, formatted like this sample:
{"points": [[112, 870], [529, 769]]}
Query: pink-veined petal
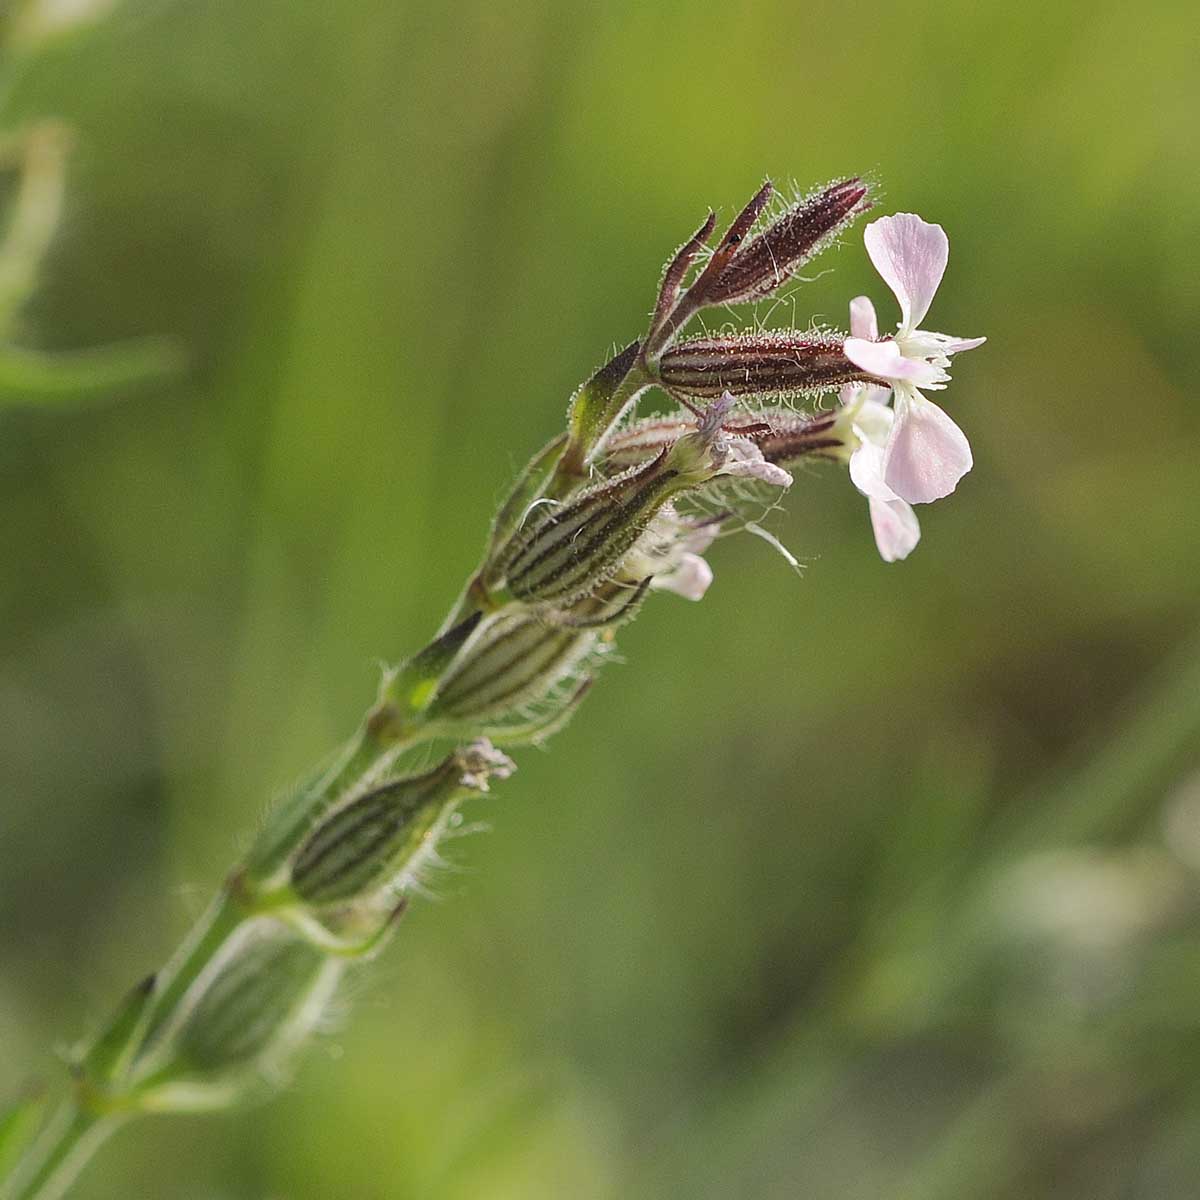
{"points": [[896, 528], [863, 323], [885, 360], [911, 255], [926, 454], [689, 579]]}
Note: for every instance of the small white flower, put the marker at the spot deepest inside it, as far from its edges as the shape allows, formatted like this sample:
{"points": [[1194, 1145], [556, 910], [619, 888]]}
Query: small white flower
{"points": [[926, 453], [670, 553], [689, 578], [893, 521]]}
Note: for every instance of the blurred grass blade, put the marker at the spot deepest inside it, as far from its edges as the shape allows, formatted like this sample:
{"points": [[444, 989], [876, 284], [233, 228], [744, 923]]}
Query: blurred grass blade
{"points": [[1148, 746], [34, 378], [18, 1123]]}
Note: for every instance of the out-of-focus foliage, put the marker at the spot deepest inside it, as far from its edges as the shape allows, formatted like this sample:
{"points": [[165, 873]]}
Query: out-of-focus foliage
{"points": [[877, 882]]}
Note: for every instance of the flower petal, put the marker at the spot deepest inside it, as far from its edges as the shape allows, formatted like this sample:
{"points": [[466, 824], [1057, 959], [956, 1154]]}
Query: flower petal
{"points": [[863, 323], [897, 530], [885, 360], [745, 461], [866, 472], [955, 345], [927, 454], [865, 395], [689, 579], [925, 344], [873, 419], [911, 255]]}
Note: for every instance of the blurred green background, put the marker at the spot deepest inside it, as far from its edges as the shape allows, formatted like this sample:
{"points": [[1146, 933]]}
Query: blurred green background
{"points": [[883, 881]]}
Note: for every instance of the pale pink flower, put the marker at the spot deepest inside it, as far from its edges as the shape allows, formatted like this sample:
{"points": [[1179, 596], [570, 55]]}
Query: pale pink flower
{"points": [[670, 553], [893, 521], [688, 578], [926, 453]]}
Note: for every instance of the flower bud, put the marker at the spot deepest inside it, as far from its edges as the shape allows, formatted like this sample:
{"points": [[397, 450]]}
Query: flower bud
{"points": [[770, 259], [263, 992], [782, 363], [565, 551], [370, 843], [781, 434], [786, 437], [514, 659], [252, 997]]}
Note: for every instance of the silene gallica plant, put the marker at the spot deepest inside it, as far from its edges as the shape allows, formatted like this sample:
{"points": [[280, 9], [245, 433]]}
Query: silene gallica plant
{"points": [[620, 505]]}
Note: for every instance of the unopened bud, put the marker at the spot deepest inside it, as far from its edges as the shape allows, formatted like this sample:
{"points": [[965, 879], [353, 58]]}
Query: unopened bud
{"points": [[786, 437], [370, 842], [781, 363], [771, 258], [565, 551], [262, 994], [782, 435], [514, 659]]}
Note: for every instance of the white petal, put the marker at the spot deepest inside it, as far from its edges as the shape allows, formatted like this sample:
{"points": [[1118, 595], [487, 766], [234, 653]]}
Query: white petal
{"points": [[911, 255], [955, 345], [896, 528], [925, 344], [864, 394], [927, 454], [689, 579], [862, 318], [696, 541], [873, 418], [885, 360], [745, 461], [866, 472]]}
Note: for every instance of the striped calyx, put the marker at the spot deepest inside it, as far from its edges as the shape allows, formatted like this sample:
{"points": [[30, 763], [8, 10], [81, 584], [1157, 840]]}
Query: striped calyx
{"points": [[770, 259], [375, 840], [782, 434], [565, 552], [514, 659], [780, 363], [264, 981]]}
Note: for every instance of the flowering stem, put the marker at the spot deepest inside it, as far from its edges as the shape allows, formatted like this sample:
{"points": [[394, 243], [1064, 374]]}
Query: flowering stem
{"points": [[598, 517], [62, 1150]]}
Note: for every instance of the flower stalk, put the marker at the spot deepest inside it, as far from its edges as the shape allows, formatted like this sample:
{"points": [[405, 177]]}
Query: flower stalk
{"points": [[615, 508]]}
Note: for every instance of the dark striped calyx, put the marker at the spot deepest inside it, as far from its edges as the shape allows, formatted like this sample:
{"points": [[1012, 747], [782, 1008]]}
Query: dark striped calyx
{"points": [[786, 362], [514, 659], [787, 437], [772, 257], [565, 551], [377, 840], [782, 434]]}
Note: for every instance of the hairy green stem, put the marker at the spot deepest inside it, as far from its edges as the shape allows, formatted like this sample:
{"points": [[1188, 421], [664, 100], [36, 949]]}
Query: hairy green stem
{"points": [[61, 1151], [333, 867]]}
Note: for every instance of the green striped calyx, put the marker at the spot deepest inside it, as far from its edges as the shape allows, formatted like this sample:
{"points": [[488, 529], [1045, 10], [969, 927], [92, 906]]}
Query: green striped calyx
{"points": [[377, 841], [567, 551]]}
